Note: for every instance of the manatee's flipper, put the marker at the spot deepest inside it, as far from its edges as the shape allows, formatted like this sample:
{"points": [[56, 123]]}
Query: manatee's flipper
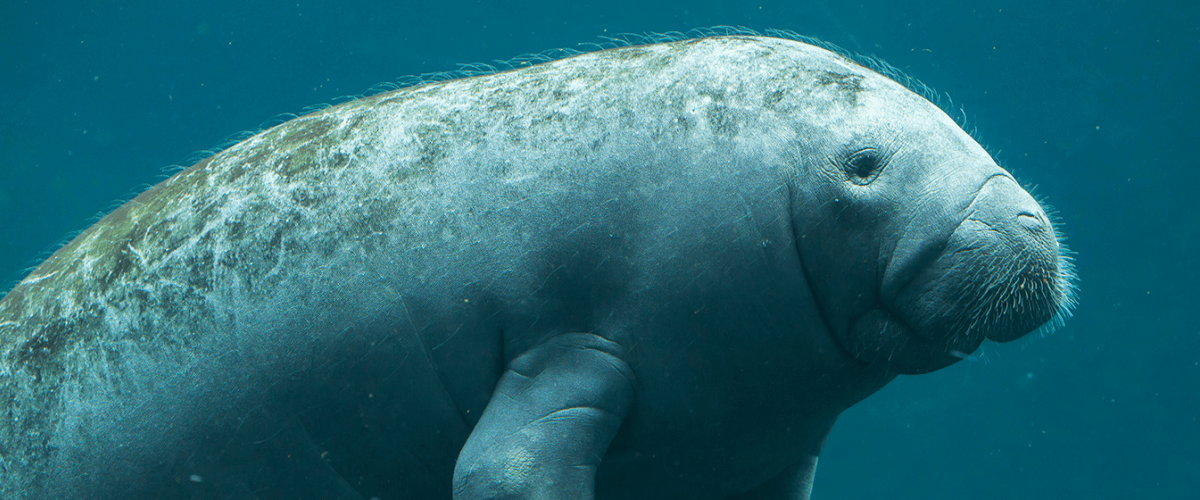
{"points": [[794, 483], [549, 422]]}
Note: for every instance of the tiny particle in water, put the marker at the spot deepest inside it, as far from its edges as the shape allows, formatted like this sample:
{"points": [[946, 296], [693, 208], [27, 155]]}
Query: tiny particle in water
{"points": [[965, 355], [196, 478]]}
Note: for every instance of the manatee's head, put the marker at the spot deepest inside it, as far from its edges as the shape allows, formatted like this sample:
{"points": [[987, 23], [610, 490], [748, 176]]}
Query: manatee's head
{"points": [[917, 246]]}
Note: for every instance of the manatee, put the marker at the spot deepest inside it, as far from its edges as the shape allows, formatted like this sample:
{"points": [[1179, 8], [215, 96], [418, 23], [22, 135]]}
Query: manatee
{"points": [[648, 272]]}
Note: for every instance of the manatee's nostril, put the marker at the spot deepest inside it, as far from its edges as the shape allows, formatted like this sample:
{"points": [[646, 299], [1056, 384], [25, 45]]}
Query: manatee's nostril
{"points": [[1031, 222]]}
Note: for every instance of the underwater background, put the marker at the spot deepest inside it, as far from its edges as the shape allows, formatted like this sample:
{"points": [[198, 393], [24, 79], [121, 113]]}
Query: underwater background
{"points": [[1092, 104]]}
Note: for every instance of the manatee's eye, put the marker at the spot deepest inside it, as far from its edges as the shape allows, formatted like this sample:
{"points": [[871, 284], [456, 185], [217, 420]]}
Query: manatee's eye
{"points": [[863, 166]]}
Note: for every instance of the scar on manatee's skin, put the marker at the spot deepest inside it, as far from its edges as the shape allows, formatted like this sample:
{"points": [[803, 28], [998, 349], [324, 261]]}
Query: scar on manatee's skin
{"points": [[848, 85], [773, 97]]}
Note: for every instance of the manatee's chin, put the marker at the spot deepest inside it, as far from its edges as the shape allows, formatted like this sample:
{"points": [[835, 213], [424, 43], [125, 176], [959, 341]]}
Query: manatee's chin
{"points": [[950, 309], [879, 337]]}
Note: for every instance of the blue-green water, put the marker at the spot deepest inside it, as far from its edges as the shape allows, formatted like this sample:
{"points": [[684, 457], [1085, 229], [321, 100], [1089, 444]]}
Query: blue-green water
{"points": [[1094, 103]]}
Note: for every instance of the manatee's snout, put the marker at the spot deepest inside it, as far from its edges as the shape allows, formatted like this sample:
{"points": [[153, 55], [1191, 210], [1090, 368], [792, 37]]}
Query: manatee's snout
{"points": [[1018, 231], [999, 276]]}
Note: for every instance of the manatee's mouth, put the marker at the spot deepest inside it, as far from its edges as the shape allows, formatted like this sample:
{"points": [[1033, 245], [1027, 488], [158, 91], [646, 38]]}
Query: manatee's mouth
{"points": [[1000, 275]]}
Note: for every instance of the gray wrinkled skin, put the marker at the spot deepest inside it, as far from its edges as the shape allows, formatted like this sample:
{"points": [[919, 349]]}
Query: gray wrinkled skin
{"points": [[649, 272]]}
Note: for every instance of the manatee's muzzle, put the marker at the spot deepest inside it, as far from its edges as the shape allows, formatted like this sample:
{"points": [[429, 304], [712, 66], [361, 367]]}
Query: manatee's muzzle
{"points": [[999, 276]]}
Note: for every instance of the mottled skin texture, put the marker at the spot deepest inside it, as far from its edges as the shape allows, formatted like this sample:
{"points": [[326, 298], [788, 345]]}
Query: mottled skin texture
{"points": [[682, 261]]}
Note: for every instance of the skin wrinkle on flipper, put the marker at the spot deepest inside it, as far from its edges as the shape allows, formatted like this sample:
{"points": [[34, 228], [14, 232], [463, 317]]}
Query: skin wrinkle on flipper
{"points": [[356, 290]]}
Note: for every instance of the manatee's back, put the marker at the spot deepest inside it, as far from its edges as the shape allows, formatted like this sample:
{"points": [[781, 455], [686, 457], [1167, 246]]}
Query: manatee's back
{"points": [[198, 298]]}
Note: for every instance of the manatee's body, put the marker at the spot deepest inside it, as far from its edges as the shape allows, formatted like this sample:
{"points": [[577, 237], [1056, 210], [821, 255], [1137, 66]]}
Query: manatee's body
{"points": [[677, 263]]}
